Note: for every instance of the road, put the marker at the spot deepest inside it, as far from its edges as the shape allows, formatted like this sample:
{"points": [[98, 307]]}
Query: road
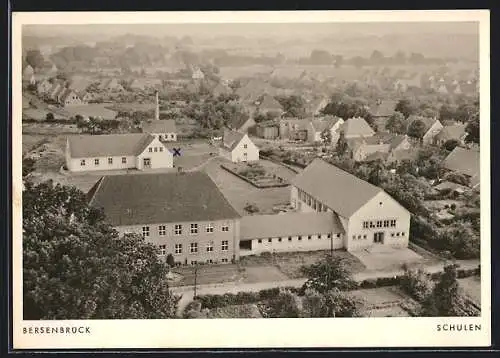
{"points": [[187, 292]]}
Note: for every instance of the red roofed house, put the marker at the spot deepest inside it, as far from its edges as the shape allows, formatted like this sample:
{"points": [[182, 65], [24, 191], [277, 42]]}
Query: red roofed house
{"points": [[368, 215], [183, 214], [116, 151]]}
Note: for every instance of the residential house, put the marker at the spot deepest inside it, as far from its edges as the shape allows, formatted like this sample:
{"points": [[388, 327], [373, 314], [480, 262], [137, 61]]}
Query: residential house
{"points": [[268, 104], [70, 98], [368, 215], [397, 156], [465, 162], [381, 112], [164, 130], [197, 74], [452, 132], [294, 129], [356, 127], [182, 214], [238, 147], [241, 123], [290, 232], [318, 126], [432, 127], [116, 151]]}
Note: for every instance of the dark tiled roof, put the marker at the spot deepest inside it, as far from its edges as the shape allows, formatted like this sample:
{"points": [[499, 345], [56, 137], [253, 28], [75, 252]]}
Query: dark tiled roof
{"points": [[464, 161], [141, 199], [341, 191], [231, 139], [159, 126]]}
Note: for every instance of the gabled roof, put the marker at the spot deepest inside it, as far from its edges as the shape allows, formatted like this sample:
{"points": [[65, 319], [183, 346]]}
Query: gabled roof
{"points": [[289, 224], [270, 103], [342, 192], [232, 139], [464, 161], [159, 126], [456, 131], [397, 140], [88, 146], [356, 126], [403, 154], [319, 125], [67, 93], [143, 199], [302, 124], [428, 121]]}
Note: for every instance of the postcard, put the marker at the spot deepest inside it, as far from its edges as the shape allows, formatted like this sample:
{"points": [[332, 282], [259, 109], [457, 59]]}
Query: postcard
{"points": [[251, 179]]}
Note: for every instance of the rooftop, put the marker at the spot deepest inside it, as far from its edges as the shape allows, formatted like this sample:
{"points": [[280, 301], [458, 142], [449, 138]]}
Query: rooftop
{"points": [[356, 126], [160, 198], [341, 191], [86, 146], [289, 224], [231, 139], [159, 126], [464, 161]]}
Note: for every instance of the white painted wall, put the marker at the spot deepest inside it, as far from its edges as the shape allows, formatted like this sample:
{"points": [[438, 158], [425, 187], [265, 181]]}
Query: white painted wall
{"points": [[159, 159], [252, 151], [381, 207], [74, 164], [432, 132], [315, 242], [168, 137]]}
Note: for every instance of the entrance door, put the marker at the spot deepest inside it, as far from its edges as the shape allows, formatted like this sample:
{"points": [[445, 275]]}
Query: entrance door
{"points": [[146, 163], [378, 237]]}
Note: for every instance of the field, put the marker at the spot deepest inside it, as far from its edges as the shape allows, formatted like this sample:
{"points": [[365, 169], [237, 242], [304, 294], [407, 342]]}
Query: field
{"points": [[290, 263], [382, 302]]}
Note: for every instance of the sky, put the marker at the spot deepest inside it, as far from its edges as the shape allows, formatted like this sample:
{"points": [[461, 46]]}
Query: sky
{"points": [[258, 30]]}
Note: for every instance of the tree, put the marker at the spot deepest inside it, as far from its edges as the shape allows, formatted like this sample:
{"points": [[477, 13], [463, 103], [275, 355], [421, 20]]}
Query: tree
{"points": [[342, 145], [417, 129], [327, 274], [446, 300], [405, 107], [396, 123], [49, 116], [35, 58], [333, 303], [326, 136], [472, 130], [170, 260], [76, 266], [374, 176], [417, 284], [321, 57], [285, 305], [294, 106], [446, 113], [450, 144]]}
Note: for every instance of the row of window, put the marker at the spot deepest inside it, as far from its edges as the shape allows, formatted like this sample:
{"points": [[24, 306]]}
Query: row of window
{"points": [[310, 201], [209, 261], [178, 229], [359, 237], [379, 223], [166, 136], [193, 247], [155, 149], [299, 238], [97, 161]]}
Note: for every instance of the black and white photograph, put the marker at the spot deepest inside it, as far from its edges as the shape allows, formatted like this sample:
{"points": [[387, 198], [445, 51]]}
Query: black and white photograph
{"points": [[238, 170]]}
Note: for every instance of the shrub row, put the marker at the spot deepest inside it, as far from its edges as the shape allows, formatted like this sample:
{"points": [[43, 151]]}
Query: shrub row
{"points": [[240, 298]]}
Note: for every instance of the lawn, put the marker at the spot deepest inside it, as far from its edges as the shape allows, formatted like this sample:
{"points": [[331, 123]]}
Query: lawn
{"points": [[290, 263], [382, 302], [472, 288], [236, 311], [209, 274]]}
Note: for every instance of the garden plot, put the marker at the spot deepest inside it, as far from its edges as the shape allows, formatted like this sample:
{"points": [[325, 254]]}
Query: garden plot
{"points": [[256, 174]]}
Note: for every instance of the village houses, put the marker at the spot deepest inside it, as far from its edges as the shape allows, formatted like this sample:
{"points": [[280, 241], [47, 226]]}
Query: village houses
{"points": [[432, 127], [465, 162], [238, 147], [115, 152]]}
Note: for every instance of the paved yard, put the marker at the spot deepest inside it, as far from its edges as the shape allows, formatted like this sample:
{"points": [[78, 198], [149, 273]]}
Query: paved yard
{"points": [[387, 259], [239, 193]]}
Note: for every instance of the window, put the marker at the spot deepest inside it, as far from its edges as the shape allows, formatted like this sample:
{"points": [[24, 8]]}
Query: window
{"points": [[162, 230], [338, 236], [372, 225], [161, 149], [309, 237], [289, 238], [225, 228], [110, 161], [319, 236], [393, 223], [270, 240], [194, 262], [402, 234], [225, 245], [194, 247], [359, 237], [365, 224], [386, 223], [224, 260], [364, 237], [96, 161], [163, 249], [329, 236], [392, 234], [309, 200], [178, 248], [82, 162], [145, 231], [279, 239], [397, 234], [209, 261], [194, 228], [259, 241], [210, 246], [210, 227], [150, 150], [156, 149], [354, 237], [124, 160], [379, 223], [300, 238], [178, 229], [245, 146], [314, 204]]}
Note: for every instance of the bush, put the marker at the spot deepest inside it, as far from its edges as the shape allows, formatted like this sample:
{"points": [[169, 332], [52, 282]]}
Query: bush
{"points": [[417, 284], [368, 283]]}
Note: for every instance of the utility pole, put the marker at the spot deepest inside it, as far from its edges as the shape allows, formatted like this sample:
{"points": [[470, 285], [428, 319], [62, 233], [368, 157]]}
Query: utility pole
{"points": [[331, 244], [195, 278]]}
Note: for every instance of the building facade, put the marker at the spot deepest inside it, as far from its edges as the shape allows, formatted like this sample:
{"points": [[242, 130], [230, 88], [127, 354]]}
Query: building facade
{"points": [[238, 147]]}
